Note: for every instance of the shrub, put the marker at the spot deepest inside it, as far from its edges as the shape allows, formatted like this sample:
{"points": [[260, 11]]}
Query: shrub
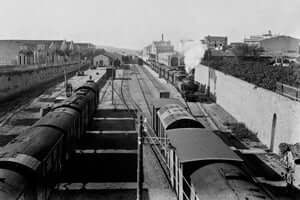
{"points": [[241, 132], [258, 72]]}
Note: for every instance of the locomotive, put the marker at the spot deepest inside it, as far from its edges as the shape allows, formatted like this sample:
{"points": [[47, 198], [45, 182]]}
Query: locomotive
{"points": [[178, 77], [132, 59], [199, 164], [30, 163]]}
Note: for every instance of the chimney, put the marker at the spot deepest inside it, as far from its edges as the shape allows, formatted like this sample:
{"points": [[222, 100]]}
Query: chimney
{"points": [[162, 37]]}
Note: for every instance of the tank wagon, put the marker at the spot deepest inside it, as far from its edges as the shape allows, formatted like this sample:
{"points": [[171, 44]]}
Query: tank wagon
{"points": [[199, 164], [31, 163]]}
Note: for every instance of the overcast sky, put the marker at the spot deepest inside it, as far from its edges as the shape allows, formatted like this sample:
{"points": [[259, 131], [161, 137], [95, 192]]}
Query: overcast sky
{"points": [[135, 23]]}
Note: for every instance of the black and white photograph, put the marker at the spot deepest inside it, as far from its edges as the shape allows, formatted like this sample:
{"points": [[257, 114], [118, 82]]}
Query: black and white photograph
{"points": [[150, 100]]}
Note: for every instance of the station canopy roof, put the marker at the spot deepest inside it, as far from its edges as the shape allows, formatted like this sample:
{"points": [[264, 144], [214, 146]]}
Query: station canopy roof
{"points": [[194, 144], [175, 116]]}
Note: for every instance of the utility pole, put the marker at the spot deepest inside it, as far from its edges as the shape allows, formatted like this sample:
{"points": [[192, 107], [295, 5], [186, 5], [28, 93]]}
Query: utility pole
{"points": [[112, 90], [208, 65], [66, 81], [140, 177], [65, 76], [112, 84]]}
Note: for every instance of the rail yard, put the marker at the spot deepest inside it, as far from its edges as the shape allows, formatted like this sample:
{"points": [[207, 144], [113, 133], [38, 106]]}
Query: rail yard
{"points": [[128, 132], [149, 100]]}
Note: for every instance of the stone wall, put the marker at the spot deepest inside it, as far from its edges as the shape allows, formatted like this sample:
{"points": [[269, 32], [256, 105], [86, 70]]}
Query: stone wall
{"points": [[258, 108], [16, 81]]}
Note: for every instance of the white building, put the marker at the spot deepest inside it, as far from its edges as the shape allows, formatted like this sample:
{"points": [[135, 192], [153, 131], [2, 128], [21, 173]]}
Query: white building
{"points": [[282, 45]]}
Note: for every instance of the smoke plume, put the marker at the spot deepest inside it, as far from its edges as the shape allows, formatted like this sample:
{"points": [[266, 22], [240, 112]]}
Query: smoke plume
{"points": [[193, 53]]}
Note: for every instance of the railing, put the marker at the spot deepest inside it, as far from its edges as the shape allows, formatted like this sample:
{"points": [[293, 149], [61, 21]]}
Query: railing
{"points": [[288, 91], [185, 190]]}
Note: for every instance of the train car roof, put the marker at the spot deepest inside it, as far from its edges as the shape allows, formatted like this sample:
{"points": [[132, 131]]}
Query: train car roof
{"points": [[31, 147], [175, 116], [68, 110], [225, 181], [13, 184], [194, 144], [59, 120], [75, 101], [164, 101], [91, 85]]}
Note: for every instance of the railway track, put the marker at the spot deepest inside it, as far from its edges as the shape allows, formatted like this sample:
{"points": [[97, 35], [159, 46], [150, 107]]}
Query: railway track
{"points": [[150, 135], [104, 93], [142, 86], [125, 95], [155, 83]]}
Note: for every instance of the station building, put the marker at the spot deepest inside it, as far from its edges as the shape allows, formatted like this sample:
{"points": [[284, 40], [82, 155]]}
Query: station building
{"points": [[102, 60], [28, 52], [153, 50], [106, 59]]}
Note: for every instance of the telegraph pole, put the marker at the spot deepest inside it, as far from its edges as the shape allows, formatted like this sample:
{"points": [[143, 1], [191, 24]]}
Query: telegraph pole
{"points": [[140, 177], [65, 76], [112, 84], [112, 90]]}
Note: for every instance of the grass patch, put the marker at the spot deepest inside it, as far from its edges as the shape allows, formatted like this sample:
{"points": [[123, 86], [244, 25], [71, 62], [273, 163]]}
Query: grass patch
{"points": [[241, 132]]}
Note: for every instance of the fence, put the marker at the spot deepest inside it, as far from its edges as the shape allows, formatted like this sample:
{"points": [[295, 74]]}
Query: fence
{"points": [[288, 91], [182, 186]]}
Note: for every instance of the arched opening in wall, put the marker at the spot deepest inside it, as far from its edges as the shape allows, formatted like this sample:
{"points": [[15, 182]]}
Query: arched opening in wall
{"points": [[174, 61], [273, 130]]}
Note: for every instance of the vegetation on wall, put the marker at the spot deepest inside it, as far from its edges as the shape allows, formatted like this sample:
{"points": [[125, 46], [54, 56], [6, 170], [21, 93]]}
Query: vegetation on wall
{"points": [[260, 72]]}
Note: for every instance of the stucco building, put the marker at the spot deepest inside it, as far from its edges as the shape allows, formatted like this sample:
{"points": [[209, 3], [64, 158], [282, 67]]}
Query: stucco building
{"points": [[106, 58], [254, 40], [279, 46], [102, 60], [25, 52], [171, 58], [215, 42], [153, 50]]}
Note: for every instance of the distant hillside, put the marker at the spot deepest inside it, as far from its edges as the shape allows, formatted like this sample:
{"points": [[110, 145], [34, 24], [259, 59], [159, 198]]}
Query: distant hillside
{"points": [[118, 50]]}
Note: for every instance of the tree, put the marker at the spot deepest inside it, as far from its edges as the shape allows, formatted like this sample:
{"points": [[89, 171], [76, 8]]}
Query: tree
{"points": [[245, 50]]}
